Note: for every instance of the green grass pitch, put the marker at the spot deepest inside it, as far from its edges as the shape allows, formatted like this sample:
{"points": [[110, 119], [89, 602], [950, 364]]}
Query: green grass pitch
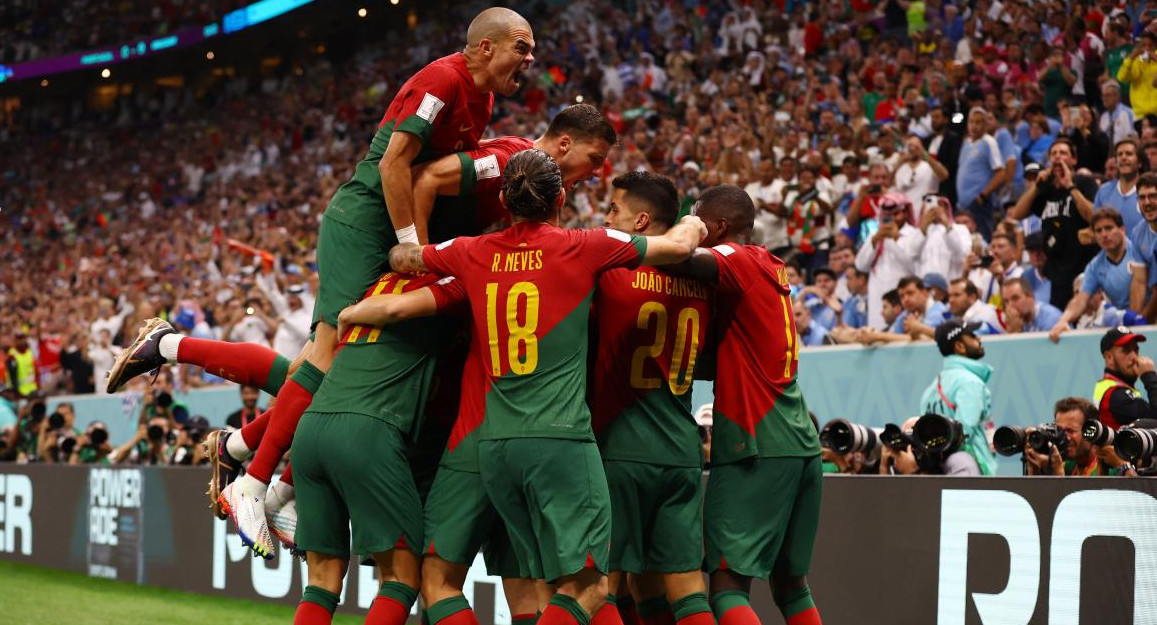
{"points": [[39, 596]]}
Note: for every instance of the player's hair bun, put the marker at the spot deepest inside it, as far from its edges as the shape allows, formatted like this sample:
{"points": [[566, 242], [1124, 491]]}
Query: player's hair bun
{"points": [[531, 184]]}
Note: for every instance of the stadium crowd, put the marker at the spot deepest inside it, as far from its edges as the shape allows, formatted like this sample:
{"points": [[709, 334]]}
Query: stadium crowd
{"points": [[912, 161]]}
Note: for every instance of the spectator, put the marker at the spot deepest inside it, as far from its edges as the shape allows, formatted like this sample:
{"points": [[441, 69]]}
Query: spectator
{"points": [[1139, 70], [1116, 121], [1040, 140], [980, 172], [1005, 257], [1117, 271], [922, 314], [1118, 404], [964, 303], [811, 334], [293, 316], [1143, 236], [1062, 200], [890, 254], [842, 257], [770, 229], [1121, 194], [102, 354], [110, 318], [960, 392], [918, 175], [1099, 313], [863, 211], [855, 313], [1091, 145], [1022, 312], [21, 364], [249, 409], [1034, 245], [944, 146], [946, 243], [1080, 458], [937, 286]]}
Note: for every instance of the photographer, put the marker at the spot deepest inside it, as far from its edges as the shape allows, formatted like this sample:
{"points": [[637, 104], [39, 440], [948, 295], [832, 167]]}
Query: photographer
{"points": [[159, 401], [927, 445], [1117, 401], [1075, 456], [148, 447], [57, 439], [960, 392], [92, 447], [186, 449]]}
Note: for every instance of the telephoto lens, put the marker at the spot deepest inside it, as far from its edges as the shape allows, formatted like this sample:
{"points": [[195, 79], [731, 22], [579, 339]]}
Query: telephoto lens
{"points": [[844, 437], [895, 438], [1009, 440], [1136, 444], [938, 435], [1098, 433]]}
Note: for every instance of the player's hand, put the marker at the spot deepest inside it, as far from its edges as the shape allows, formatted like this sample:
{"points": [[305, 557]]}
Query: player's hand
{"points": [[343, 321], [694, 222]]}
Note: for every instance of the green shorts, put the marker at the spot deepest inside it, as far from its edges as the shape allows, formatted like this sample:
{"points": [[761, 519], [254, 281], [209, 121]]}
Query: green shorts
{"points": [[350, 469], [761, 516], [552, 495], [460, 521], [349, 262], [657, 517]]}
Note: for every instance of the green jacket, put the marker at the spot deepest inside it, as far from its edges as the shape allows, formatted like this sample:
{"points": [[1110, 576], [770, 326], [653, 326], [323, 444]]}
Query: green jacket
{"points": [[961, 392]]}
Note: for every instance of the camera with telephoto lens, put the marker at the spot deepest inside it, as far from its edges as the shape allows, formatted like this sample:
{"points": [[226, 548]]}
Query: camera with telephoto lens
{"points": [[895, 438], [938, 435], [156, 433], [55, 421], [98, 437], [1098, 433], [1048, 435], [1136, 444], [844, 437], [164, 400], [1009, 440]]}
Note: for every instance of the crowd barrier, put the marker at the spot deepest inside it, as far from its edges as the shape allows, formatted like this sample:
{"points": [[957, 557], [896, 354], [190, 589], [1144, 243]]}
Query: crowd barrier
{"points": [[872, 386], [891, 550]]}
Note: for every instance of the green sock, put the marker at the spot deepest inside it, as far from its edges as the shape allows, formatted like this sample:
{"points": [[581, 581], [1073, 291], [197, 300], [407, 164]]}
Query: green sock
{"points": [[308, 377], [796, 602], [447, 607], [321, 597], [275, 379], [693, 603], [724, 601], [654, 605], [399, 592], [571, 605]]}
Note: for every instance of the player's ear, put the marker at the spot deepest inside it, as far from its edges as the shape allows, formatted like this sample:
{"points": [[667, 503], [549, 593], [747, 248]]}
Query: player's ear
{"points": [[642, 220], [564, 144], [558, 202]]}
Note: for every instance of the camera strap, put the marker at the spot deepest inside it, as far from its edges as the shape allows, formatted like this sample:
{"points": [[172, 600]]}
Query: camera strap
{"points": [[943, 397]]}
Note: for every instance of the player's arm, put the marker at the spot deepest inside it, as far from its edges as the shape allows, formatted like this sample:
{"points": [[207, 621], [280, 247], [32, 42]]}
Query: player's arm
{"points": [[702, 266], [385, 309], [677, 244], [441, 177], [407, 258], [398, 183]]}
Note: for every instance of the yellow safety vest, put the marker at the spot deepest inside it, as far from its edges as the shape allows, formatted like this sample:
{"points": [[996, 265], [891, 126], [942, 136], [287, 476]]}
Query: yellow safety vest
{"points": [[1104, 385], [25, 371]]}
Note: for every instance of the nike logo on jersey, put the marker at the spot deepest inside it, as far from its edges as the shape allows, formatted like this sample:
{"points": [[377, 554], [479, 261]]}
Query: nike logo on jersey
{"points": [[465, 127]]}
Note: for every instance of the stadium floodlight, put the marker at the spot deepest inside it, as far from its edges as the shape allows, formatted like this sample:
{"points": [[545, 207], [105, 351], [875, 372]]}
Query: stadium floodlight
{"points": [[209, 55], [105, 73], [362, 12]]}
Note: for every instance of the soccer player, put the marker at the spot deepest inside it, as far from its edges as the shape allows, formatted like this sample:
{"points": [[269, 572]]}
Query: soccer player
{"points": [[763, 498], [353, 476], [442, 109], [650, 329], [531, 287]]}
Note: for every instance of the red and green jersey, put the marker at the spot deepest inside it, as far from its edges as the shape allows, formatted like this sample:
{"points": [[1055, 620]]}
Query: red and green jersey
{"points": [[443, 108], [651, 328], [462, 447], [482, 177], [530, 288], [386, 372], [759, 409]]}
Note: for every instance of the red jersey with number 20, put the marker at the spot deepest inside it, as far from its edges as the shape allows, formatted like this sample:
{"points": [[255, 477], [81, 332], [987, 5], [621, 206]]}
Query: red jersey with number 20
{"points": [[651, 329], [759, 409], [530, 288]]}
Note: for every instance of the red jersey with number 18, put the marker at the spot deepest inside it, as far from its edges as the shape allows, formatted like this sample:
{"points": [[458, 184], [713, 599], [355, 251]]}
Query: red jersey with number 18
{"points": [[530, 288], [651, 329], [759, 409]]}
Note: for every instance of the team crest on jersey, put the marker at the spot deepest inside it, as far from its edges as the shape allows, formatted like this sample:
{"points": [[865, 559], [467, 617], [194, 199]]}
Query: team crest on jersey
{"points": [[430, 107], [444, 244], [487, 167]]}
